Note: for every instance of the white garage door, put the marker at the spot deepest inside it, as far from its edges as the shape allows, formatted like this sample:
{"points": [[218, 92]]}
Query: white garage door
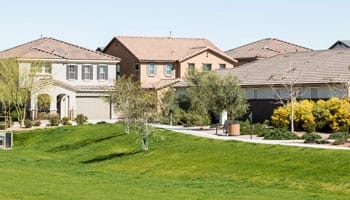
{"points": [[93, 107]]}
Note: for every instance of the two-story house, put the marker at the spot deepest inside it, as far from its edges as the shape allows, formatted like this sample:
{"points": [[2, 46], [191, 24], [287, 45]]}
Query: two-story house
{"points": [[158, 62], [79, 77]]}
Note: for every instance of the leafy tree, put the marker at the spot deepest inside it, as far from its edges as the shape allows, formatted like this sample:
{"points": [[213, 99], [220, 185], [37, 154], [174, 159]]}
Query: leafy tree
{"points": [[169, 104], [212, 93], [17, 84]]}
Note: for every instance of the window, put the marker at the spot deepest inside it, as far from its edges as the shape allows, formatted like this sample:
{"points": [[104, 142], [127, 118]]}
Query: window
{"points": [[222, 66], [206, 67], [152, 70], [119, 71], [102, 72], [168, 69], [72, 72], [87, 72], [137, 67], [278, 93], [190, 69], [44, 69], [314, 93]]}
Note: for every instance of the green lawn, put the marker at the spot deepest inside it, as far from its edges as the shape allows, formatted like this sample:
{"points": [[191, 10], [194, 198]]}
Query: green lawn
{"points": [[100, 162]]}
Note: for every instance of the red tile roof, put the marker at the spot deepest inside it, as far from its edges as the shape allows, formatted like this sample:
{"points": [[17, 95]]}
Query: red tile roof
{"points": [[167, 48], [50, 48], [264, 48]]}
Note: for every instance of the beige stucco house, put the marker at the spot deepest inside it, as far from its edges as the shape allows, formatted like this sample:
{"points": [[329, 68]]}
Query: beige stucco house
{"points": [[79, 77], [158, 62]]}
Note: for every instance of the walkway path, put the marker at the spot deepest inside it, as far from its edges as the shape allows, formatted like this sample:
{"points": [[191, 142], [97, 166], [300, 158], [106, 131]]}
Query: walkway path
{"points": [[210, 133]]}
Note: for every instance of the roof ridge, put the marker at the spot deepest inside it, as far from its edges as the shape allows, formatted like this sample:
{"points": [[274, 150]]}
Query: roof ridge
{"points": [[161, 37], [83, 48], [249, 44], [52, 53], [291, 43], [26, 43]]}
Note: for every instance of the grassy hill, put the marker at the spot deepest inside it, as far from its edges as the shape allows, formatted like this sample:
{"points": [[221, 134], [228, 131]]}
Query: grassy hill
{"points": [[100, 162]]}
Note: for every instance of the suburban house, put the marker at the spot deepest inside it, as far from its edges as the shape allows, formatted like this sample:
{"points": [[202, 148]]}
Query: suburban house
{"points": [[158, 62], [341, 44], [305, 75], [262, 49], [79, 77]]}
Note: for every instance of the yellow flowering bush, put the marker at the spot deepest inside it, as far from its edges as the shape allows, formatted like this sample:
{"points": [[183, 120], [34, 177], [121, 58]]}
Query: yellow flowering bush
{"points": [[331, 115]]}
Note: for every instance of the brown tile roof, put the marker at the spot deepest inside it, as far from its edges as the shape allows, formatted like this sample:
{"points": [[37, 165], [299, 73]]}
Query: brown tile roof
{"points": [[167, 48], [311, 67], [50, 48], [160, 84], [264, 48], [83, 88]]}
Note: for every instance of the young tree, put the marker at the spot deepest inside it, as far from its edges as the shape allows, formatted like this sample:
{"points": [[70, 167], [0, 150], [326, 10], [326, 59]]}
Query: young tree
{"points": [[136, 105], [17, 84], [288, 81], [169, 104], [211, 93]]}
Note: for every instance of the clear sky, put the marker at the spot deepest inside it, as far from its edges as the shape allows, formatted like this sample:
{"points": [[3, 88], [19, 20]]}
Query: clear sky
{"points": [[227, 23]]}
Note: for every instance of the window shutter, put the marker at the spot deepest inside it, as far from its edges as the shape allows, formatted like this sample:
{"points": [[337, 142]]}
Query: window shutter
{"points": [[98, 72], [67, 72], [82, 72], [91, 72], [106, 72], [76, 71], [165, 70]]}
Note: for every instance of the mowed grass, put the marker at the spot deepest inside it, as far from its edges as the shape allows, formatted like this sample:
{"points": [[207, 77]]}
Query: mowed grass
{"points": [[100, 162]]}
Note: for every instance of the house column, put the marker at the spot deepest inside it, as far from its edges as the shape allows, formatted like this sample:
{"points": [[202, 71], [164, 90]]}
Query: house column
{"points": [[53, 105], [33, 106]]}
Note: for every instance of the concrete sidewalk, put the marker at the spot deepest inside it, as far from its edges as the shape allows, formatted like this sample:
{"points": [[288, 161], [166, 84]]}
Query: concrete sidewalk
{"points": [[210, 133]]}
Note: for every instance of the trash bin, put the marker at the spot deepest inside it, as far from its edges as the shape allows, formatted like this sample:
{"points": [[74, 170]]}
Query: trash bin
{"points": [[233, 128]]}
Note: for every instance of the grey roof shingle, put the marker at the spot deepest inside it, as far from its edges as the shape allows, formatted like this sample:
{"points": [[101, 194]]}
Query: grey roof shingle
{"points": [[318, 67]]}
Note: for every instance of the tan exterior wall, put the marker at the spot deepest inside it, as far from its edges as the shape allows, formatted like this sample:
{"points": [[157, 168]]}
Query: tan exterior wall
{"points": [[147, 79], [128, 60], [205, 57]]}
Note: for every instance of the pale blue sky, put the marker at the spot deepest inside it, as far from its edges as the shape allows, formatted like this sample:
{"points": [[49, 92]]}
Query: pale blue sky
{"points": [[227, 23]]}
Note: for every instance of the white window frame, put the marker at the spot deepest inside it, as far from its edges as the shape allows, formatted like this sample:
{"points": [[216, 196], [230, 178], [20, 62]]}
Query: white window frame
{"points": [[152, 69], [86, 74], [102, 76], [169, 69], [70, 72]]}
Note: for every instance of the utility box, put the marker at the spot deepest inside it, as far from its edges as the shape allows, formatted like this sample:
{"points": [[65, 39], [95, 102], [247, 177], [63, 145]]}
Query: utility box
{"points": [[6, 140]]}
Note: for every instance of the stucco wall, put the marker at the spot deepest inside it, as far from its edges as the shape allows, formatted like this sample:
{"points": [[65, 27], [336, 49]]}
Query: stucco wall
{"points": [[205, 57], [128, 60], [147, 79]]}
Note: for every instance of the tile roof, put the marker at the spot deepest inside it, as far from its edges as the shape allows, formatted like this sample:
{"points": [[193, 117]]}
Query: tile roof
{"points": [[83, 88], [312, 67], [264, 48], [167, 48], [160, 84], [50, 48]]}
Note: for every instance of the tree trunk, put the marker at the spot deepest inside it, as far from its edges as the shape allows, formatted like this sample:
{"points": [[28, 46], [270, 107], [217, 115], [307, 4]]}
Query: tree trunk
{"points": [[144, 137]]}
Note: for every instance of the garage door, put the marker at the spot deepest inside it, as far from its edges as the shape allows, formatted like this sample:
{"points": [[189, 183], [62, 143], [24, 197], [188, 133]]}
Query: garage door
{"points": [[93, 107]]}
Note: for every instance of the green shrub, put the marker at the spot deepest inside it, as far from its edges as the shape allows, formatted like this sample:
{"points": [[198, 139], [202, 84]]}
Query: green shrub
{"points": [[101, 122], [65, 121], [339, 137], [310, 137], [28, 123], [2, 126], [43, 116], [280, 134], [81, 119], [257, 129], [54, 119], [37, 123], [309, 127]]}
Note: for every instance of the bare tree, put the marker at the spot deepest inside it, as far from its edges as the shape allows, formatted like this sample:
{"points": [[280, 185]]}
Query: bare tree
{"points": [[287, 81]]}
